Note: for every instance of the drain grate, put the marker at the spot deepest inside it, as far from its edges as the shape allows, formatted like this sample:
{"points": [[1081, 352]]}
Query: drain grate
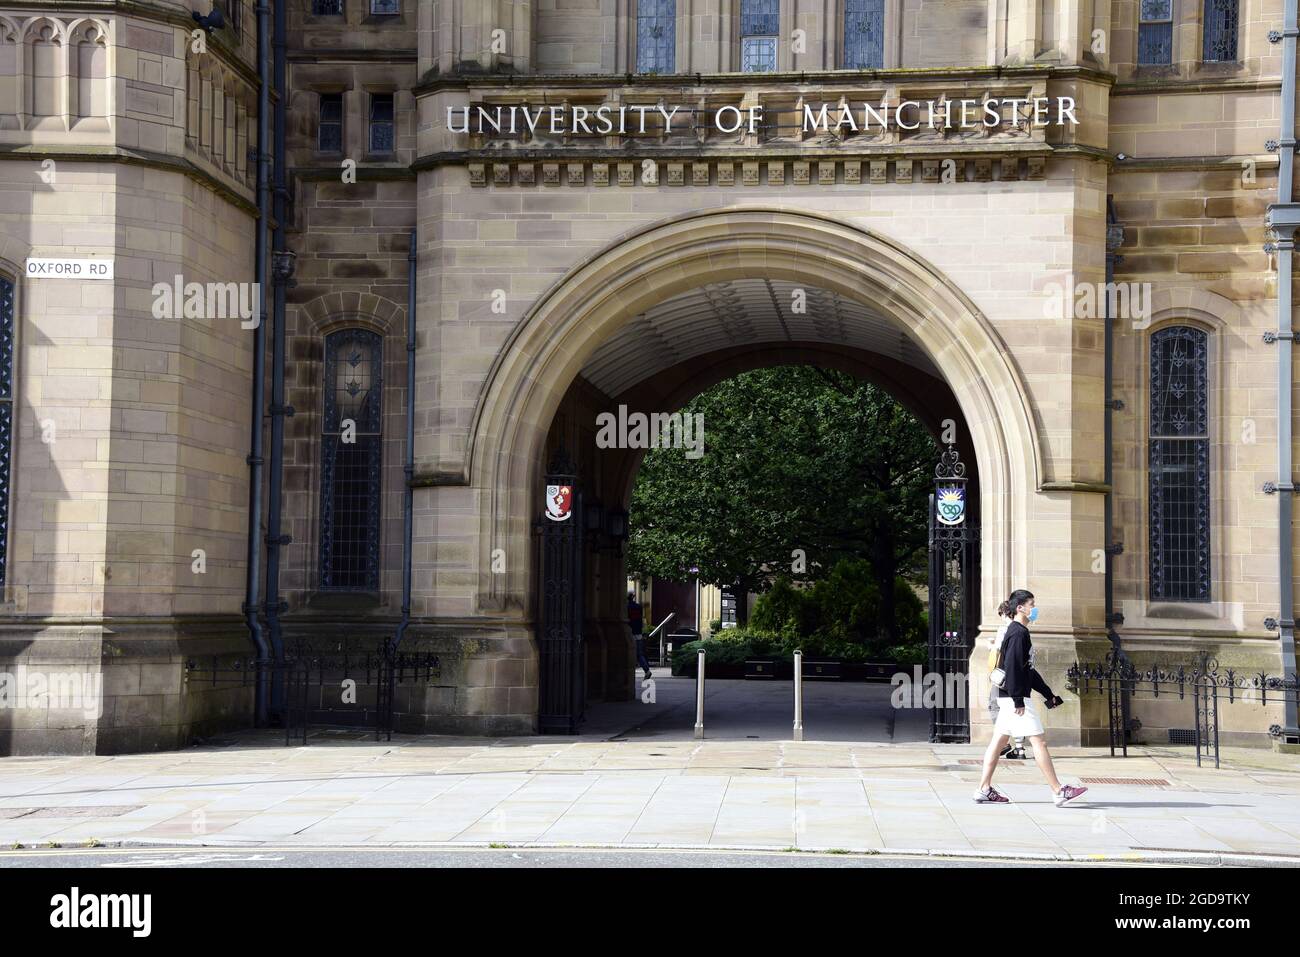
{"points": [[1140, 782]]}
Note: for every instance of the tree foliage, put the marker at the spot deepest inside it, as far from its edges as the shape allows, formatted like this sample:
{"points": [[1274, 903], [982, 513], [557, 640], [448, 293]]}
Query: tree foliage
{"points": [[798, 461]]}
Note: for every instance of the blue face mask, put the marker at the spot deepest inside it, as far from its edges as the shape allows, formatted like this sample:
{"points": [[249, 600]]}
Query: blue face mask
{"points": [[1033, 614]]}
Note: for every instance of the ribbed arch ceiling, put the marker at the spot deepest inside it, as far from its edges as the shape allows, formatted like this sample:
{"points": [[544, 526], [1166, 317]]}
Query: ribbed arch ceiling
{"points": [[737, 313]]}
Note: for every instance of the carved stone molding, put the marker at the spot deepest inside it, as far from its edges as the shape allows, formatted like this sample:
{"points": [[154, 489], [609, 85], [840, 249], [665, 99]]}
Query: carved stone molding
{"points": [[939, 170]]}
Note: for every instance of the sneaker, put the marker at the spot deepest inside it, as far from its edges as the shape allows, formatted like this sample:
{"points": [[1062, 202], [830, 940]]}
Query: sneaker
{"points": [[1068, 793], [991, 796], [647, 674]]}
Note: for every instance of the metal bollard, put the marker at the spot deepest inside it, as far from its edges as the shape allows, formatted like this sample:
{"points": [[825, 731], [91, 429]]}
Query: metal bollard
{"points": [[798, 695], [699, 696]]}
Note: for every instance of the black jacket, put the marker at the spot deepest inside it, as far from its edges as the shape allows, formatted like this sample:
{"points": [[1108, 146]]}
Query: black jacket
{"points": [[1021, 679]]}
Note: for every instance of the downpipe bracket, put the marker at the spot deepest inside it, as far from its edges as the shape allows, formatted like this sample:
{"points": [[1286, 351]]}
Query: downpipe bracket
{"points": [[1277, 36], [1271, 487]]}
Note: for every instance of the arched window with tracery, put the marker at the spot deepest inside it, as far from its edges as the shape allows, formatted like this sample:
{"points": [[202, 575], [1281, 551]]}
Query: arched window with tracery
{"points": [[1178, 461], [351, 441]]}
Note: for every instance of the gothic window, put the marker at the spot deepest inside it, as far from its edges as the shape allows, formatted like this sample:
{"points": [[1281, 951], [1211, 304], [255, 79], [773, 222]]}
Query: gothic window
{"points": [[1220, 37], [1178, 450], [656, 36], [385, 8], [327, 8], [381, 123], [329, 136], [6, 414], [864, 34], [235, 14], [351, 437], [1155, 32], [760, 23]]}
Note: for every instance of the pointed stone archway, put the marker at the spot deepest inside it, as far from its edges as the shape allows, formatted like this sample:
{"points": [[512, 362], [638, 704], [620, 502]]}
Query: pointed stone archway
{"points": [[549, 348]]}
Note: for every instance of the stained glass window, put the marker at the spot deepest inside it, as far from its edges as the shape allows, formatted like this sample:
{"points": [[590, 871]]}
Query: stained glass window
{"points": [[350, 461], [864, 34], [1179, 466], [760, 22], [1155, 32], [1220, 37], [327, 8], [656, 36]]}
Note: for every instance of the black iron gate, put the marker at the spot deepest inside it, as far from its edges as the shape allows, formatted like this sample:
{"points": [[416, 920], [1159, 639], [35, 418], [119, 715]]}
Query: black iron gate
{"points": [[561, 655], [954, 597]]}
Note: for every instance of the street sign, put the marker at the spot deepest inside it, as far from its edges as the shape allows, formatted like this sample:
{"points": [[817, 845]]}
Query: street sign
{"points": [[69, 269]]}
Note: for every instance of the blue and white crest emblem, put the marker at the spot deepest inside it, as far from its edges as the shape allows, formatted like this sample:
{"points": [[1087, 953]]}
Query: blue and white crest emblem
{"points": [[950, 505]]}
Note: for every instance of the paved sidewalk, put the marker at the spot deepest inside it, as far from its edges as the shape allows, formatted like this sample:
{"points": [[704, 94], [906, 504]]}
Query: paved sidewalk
{"points": [[909, 798]]}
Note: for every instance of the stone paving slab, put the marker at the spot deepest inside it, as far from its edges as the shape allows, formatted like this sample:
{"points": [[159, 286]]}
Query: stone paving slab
{"points": [[867, 796]]}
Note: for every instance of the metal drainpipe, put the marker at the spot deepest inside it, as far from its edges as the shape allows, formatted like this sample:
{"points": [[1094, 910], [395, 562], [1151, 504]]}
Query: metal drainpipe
{"points": [[281, 277], [408, 469], [1114, 240], [253, 559], [1283, 218]]}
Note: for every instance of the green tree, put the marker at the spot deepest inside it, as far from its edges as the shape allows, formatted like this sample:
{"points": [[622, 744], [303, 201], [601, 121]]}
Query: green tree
{"points": [[798, 461]]}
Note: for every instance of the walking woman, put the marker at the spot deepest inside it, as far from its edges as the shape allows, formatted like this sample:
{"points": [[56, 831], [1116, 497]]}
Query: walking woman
{"points": [[1016, 714], [1016, 747]]}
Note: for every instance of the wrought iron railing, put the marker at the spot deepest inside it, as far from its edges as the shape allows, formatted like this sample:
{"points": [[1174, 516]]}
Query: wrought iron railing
{"points": [[1201, 682], [337, 685]]}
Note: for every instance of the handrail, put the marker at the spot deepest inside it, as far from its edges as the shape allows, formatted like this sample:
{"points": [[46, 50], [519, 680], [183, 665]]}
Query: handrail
{"points": [[671, 616]]}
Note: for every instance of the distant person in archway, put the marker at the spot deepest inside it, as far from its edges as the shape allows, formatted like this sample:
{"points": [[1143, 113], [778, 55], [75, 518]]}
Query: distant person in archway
{"points": [[1016, 714], [634, 619]]}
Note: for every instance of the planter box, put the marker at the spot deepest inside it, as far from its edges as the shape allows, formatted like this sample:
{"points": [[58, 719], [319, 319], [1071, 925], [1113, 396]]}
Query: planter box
{"points": [[712, 670], [870, 670], [761, 668], [823, 669]]}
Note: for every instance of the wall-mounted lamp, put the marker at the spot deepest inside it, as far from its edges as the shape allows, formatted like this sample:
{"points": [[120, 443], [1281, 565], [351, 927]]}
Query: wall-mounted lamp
{"points": [[616, 524], [594, 517]]}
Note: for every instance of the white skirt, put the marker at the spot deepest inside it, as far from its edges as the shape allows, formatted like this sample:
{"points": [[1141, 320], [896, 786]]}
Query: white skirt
{"points": [[1017, 725]]}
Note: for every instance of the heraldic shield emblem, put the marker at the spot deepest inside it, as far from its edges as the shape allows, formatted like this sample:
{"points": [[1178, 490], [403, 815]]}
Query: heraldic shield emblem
{"points": [[559, 502], [950, 505]]}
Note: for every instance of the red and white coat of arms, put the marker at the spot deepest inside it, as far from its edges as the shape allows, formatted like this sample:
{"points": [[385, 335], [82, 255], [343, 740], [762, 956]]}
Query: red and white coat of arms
{"points": [[559, 502]]}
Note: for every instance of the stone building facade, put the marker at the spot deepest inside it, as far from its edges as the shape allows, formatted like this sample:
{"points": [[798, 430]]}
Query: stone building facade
{"points": [[569, 260]]}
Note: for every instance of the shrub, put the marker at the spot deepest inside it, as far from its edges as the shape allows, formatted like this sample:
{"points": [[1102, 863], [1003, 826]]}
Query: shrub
{"points": [[913, 621], [729, 647], [782, 607], [910, 654], [847, 602]]}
